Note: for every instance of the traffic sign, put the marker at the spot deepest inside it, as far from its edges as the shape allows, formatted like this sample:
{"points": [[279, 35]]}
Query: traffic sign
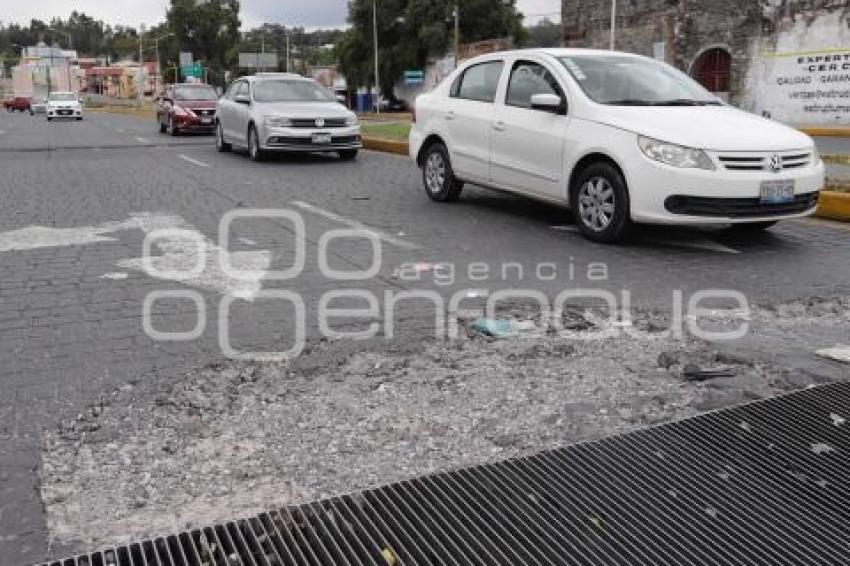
{"points": [[414, 77]]}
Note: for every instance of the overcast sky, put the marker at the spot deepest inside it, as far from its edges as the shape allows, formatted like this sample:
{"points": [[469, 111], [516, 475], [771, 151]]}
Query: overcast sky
{"points": [[307, 13]]}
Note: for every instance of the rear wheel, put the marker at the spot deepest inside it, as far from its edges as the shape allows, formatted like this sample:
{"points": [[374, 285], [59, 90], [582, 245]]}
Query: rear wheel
{"points": [[220, 144], [348, 154], [438, 176], [254, 150], [600, 203]]}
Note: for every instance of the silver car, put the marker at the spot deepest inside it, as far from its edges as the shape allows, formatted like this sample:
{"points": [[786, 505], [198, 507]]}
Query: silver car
{"points": [[284, 112], [38, 105]]}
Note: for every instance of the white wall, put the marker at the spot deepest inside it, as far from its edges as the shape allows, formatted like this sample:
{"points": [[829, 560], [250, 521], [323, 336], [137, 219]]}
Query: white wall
{"points": [[802, 75]]}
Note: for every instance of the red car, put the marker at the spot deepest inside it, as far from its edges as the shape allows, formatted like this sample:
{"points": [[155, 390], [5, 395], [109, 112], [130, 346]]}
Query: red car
{"points": [[186, 107], [19, 103]]}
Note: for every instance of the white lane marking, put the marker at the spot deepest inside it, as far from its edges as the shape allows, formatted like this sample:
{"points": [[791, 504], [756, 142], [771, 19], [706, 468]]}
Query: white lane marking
{"points": [[565, 228], [355, 224], [34, 237], [117, 275], [193, 161], [701, 244], [140, 139], [181, 255], [181, 252]]}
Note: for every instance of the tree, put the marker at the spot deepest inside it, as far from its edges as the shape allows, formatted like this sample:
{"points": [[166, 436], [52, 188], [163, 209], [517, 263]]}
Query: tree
{"points": [[546, 33], [208, 29], [411, 31]]}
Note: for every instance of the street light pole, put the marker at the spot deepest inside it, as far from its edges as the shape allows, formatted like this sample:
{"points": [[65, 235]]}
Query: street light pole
{"points": [[457, 33], [287, 51], [377, 73], [613, 24]]}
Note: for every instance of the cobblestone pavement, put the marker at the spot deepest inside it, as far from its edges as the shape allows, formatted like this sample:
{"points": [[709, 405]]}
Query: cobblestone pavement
{"points": [[70, 315]]}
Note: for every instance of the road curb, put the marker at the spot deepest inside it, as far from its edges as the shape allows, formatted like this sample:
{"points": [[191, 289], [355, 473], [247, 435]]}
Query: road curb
{"points": [[834, 206], [387, 146], [828, 132]]}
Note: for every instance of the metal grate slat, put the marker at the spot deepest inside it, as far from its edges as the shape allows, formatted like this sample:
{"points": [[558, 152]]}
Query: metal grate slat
{"points": [[764, 483]]}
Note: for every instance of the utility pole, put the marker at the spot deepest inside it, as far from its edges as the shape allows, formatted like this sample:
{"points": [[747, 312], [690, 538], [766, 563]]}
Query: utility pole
{"points": [[377, 73], [287, 51], [613, 24], [457, 34]]}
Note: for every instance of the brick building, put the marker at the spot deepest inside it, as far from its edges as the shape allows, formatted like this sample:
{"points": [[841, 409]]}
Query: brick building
{"points": [[790, 58]]}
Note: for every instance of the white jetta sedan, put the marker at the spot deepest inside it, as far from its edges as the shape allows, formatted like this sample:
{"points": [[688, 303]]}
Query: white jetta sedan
{"points": [[619, 138], [284, 112]]}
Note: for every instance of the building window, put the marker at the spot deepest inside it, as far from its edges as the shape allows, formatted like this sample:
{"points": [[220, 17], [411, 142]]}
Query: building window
{"points": [[712, 68]]}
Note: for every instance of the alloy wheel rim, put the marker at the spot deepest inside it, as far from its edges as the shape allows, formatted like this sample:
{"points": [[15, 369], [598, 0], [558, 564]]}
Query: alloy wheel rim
{"points": [[596, 203], [435, 173]]}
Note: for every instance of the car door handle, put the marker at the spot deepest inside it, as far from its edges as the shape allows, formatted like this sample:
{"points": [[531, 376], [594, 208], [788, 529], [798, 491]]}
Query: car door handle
{"points": [[499, 126], [450, 115]]}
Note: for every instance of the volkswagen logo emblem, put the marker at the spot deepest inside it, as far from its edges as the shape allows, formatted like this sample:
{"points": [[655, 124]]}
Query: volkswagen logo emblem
{"points": [[320, 122], [775, 163]]}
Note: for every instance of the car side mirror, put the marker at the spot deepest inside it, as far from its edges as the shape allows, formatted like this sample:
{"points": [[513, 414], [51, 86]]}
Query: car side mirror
{"points": [[243, 99], [548, 103]]}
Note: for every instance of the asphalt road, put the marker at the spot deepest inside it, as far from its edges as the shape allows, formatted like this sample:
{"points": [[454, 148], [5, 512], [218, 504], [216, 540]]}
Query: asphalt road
{"points": [[77, 200]]}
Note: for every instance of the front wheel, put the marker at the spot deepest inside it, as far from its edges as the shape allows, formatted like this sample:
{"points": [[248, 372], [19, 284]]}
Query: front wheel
{"points": [[172, 129], [348, 154], [438, 177], [49, 119], [600, 203], [254, 151]]}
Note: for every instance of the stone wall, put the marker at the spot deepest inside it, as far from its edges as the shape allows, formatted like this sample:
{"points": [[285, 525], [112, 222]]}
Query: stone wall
{"points": [[765, 38]]}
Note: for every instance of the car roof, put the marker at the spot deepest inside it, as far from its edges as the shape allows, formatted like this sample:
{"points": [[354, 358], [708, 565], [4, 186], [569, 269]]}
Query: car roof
{"points": [[558, 52], [265, 76]]}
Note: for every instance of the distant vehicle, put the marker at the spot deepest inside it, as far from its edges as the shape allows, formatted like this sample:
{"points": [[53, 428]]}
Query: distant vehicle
{"points": [[186, 107], [619, 138], [392, 104], [63, 105], [38, 105], [19, 103], [285, 112]]}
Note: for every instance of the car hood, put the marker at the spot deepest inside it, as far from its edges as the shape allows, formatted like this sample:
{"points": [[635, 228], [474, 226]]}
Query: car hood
{"points": [[304, 109], [192, 104], [721, 128]]}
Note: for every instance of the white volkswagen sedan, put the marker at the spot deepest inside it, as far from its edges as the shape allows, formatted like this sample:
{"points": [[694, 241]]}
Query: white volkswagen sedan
{"points": [[284, 112], [619, 138]]}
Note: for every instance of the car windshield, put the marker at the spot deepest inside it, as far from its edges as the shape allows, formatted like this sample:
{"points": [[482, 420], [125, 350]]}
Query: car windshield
{"points": [[290, 91], [195, 92], [634, 81], [63, 96]]}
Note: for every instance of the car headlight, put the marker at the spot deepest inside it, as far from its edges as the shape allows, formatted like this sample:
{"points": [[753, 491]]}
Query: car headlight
{"points": [[180, 111], [278, 121], [675, 155], [351, 121]]}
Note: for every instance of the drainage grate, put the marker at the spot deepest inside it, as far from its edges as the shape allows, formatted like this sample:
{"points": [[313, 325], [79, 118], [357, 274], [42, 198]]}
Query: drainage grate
{"points": [[764, 483]]}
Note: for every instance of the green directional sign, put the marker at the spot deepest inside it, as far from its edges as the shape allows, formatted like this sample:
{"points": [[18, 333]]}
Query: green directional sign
{"points": [[194, 70], [414, 77]]}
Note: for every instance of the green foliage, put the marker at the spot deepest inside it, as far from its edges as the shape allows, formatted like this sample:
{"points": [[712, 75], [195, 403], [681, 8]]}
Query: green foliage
{"points": [[411, 31], [544, 34]]}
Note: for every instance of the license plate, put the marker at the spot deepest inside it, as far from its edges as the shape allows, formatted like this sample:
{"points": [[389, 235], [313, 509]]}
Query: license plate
{"points": [[65, 112], [777, 191], [206, 120], [321, 138]]}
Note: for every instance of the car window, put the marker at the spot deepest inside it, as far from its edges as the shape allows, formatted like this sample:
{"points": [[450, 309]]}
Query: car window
{"points": [[479, 82], [194, 92], [231, 91], [291, 91], [241, 89], [528, 79]]}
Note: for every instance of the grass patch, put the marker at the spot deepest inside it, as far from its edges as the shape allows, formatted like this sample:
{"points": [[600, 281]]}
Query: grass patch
{"points": [[397, 131]]}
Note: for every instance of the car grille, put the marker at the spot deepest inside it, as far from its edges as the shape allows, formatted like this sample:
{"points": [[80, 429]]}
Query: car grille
{"points": [[302, 141], [761, 484], [311, 123], [204, 112], [738, 207], [747, 161]]}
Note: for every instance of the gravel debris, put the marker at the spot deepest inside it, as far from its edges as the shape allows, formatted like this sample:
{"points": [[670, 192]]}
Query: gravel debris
{"points": [[232, 439]]}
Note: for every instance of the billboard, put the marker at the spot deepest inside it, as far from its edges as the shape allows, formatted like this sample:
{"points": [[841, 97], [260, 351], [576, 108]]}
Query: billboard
{"points": [[266, 60]]}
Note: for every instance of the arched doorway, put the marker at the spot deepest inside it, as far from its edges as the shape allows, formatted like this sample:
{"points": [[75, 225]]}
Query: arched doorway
{"points": [[712, 69]]}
